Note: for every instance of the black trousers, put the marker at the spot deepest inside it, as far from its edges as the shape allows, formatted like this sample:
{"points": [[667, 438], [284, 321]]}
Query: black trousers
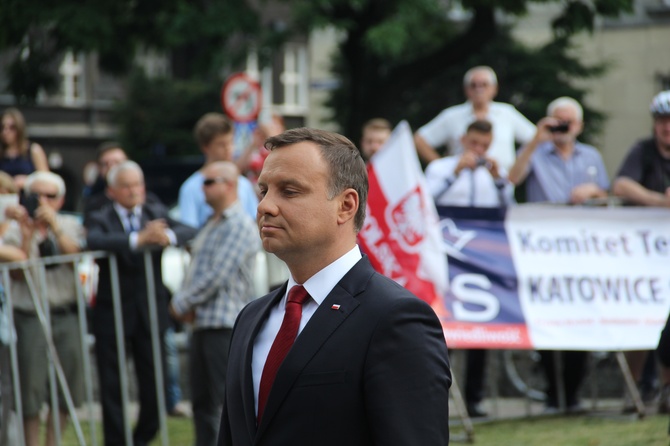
{"points": [[573, 372], [208, 362], [138, 347], [475, 374]]}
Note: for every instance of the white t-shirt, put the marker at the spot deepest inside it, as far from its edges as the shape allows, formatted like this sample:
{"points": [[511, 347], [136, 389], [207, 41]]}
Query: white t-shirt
{"points": [[470, 188], [508, 126]]}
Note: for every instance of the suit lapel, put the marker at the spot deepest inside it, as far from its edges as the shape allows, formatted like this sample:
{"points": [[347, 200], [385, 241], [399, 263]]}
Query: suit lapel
{"points": [[320, 327]]}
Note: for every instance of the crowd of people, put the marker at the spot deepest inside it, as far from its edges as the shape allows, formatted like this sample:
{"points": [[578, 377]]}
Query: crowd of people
{"points": [[307, 191], [555, 167]]}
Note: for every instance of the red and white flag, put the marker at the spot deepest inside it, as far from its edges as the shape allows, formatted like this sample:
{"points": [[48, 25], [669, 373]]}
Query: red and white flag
{"points": [[401, 234]]}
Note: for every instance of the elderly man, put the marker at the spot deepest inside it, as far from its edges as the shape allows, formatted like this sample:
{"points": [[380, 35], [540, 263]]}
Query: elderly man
{"points": [[218, 285], [126, 227], [509, 126], [559, 169], [43, 232]]}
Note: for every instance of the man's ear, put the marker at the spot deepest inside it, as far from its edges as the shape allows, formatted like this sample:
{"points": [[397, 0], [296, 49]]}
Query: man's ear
{"points": [[349, 203]]}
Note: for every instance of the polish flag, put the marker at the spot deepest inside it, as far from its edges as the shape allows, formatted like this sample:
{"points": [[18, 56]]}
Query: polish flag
{"points": [[401, 234]]}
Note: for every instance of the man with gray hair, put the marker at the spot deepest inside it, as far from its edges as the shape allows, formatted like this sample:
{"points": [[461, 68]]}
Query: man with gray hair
{"points": [[559, 169], [556, 167], [126, 227], [509, 126], [42, 232]]}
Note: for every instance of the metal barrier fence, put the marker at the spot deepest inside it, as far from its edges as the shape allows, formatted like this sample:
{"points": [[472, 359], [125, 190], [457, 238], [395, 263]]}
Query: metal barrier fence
{"points": [[34, 271]]}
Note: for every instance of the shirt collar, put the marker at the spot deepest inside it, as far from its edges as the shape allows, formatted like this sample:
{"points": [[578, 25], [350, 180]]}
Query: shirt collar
{"points": [[322, 283], [576, 151], [123, 212]]}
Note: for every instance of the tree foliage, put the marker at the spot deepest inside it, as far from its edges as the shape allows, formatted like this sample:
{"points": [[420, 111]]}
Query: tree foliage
{"points": [[202, 34], [158, 115], [405, 59]]}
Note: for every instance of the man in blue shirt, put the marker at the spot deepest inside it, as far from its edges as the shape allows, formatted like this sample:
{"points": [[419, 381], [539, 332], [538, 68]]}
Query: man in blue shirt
{"points": [[558, 168], [214, 134]]}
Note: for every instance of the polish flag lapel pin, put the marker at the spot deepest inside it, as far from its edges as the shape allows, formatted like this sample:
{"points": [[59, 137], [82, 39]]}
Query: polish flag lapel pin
{"points": [[335, 307]]}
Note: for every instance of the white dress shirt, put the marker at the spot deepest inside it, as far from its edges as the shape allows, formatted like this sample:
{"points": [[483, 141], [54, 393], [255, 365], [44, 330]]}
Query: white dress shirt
{"points": [[318, 286], [470, 188], [508, 126], [125, 215]]}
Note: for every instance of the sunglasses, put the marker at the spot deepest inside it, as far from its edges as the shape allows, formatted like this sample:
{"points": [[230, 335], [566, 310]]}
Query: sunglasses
{"points": [[8, 126], [47, 196], [210, 181]]}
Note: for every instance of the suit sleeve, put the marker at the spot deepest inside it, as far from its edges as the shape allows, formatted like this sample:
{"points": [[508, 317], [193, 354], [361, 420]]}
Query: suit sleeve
{"points": [[99, 237], [407, 378], [184, 233]]}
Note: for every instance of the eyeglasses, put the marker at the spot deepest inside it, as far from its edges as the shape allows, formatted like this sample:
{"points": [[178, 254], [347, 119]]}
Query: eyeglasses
{"points": [[47, 196], [475, 85], [8, 127], [210, 181]]}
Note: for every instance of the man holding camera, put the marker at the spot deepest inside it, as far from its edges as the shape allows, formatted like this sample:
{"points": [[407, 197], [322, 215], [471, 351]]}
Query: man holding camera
{"points": [[472, 178], [558, 168], [42, 232]]}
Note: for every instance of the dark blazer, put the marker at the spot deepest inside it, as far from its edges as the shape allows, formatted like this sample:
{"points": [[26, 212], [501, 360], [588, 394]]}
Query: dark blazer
{"points": [[105, 232], [374, 371]]}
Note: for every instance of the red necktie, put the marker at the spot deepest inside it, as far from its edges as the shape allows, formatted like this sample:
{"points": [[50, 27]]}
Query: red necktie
{"points": [[282, 343]]}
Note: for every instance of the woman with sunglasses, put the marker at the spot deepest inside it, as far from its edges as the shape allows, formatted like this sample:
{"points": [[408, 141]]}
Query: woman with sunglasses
{"points": [[18, 156]]}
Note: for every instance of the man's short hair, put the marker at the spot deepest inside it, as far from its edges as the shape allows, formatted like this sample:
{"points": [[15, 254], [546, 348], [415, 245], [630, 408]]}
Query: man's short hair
{"points": [[377, 124], [346, 165], [114, 172], [565, 101], [108, 146], [209, 126], [45, 177], [483, 68], [480, 126]]}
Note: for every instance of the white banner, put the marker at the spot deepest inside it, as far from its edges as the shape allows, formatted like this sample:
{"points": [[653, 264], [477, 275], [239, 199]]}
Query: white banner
{"points": [[591, 278]]}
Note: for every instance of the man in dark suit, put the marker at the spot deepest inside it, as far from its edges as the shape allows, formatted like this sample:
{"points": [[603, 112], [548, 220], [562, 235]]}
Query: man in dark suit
{"points": [[126, 227], [368, 364]]}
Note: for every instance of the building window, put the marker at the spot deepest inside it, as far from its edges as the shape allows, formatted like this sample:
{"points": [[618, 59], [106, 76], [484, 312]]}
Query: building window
{"points": [[72, 84]]}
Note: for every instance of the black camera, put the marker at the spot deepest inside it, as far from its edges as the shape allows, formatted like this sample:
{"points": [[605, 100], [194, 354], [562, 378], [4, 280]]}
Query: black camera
{"points": [[562, 127], [31, 202], [48, 248], [483, 162]]}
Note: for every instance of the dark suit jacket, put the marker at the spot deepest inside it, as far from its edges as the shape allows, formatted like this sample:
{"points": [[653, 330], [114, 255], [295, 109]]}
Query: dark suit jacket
{"points": [[374, 371], [105, 232]]}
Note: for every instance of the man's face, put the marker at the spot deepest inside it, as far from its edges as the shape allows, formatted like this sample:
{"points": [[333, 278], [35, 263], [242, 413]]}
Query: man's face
{"points": [[567, 115], [47, 194], [109, 159], [214, 186], [662, 131], [220, 148], [295, 218], [480, 89], [373, 140], [476, 142], [129, 189]]}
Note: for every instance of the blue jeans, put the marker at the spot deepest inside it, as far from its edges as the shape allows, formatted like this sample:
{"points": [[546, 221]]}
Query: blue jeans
{"points": [[173, 391]]}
